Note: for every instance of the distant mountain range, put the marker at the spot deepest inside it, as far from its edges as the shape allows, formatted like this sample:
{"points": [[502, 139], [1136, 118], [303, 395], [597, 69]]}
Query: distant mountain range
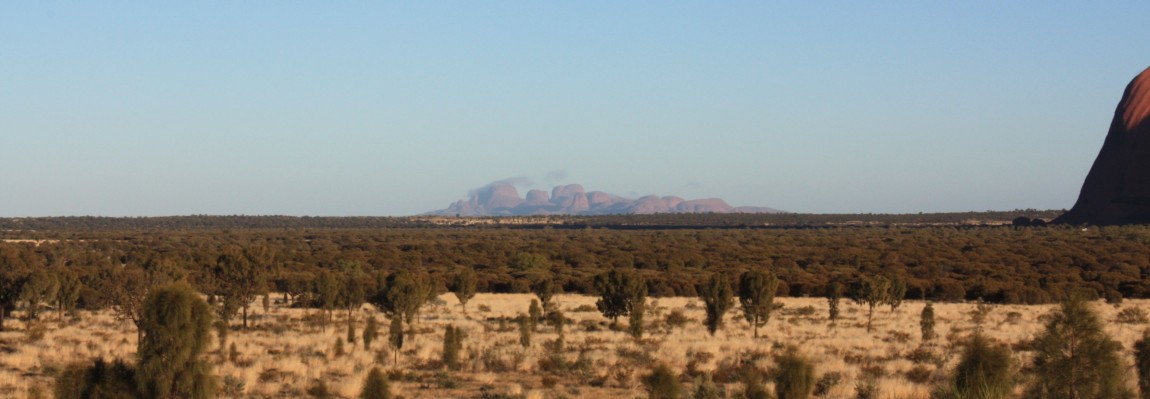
{"points": [[502, 199]]}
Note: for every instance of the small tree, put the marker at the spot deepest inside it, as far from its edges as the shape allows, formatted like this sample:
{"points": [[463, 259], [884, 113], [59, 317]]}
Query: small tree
{"points": [[239, 277], [757, 296], [395, 336], [375, 385], [177, 330], [981, 312], [40, 286], [897, 292], [926, 322], [524, 331], [326, 288], [718, 298], [1142, 362], [557, 319], [635, 319], [619, 292], [452, 346], [873, 291], [662, 383], [705, 387], [534, 314], [370, 329], [984, 371], [463, 286], [12, 282], [1074, 358], [545, 289], [834, 294], [69, 291], [353, 293], [795, 375], [351, 332], [402, 294]]}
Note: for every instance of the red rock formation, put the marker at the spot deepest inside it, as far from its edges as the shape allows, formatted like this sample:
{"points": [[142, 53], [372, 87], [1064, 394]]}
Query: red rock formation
{"points": [[1117, 189], [502, 199]]}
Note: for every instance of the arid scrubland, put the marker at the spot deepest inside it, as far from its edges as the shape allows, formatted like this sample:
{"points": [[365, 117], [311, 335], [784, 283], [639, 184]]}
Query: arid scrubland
{"points": [[290, 352]]}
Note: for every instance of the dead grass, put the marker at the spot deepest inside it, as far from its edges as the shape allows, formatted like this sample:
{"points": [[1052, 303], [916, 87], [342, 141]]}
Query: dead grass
{"points": [[283, 353]]}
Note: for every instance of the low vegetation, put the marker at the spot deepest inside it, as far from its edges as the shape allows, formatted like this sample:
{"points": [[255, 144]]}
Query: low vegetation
{"points": [[286, 352]]}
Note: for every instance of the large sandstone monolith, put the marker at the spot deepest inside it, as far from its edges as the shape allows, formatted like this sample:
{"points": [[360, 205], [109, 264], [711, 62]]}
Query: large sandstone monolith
{"points": [[1117, 189]]}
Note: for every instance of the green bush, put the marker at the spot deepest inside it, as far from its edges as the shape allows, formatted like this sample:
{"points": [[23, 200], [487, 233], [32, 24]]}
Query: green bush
{"points": [[984, 371], [375, 386], [1142, 362], [100, 380], [1074, 358], [662, 383], [177, 329], [452, 345], [1133, 315], [794, 376]]}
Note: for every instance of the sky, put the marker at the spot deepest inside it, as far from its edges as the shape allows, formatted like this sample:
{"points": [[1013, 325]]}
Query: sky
{"points": [[122, 108]]}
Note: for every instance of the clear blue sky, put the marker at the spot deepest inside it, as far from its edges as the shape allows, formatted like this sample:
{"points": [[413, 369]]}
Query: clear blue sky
{"points": [[379, 108]]}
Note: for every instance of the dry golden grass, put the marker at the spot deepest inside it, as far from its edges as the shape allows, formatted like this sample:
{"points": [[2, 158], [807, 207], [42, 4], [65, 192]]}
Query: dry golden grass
{"points": [[285, 352]]}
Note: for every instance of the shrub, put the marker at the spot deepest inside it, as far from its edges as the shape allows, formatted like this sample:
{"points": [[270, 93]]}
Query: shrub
{"points": [[395, 336], [1142, 362], [705, 388], [866, 388], [534, 314], [1074, 358], [370, 329], [101, 380], [635, 319], [232, 386], [350, 331], [452, 345], [921, 355], [177, 327], [375, 386], [718, 297], [676, 319], [1013, 318], [873, 291], [926, 322], [463, 286], [584, 308], [319, 390], [919, 374], [524, 332], [834, 294], [826, 382], [662, 383], [557, 319], [619, 292], [338, 351], [757, 296], [984, 371], [1133, 315], [755, 388], [795, 376]]}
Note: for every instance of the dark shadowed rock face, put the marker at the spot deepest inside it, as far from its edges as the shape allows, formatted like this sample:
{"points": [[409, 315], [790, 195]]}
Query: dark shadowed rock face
{"points": [[502, 199], [1117, 189]]}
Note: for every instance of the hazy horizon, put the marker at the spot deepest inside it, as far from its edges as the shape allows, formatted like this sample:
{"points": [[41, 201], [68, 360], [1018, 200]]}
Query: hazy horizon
{"points": [[365, 109]]}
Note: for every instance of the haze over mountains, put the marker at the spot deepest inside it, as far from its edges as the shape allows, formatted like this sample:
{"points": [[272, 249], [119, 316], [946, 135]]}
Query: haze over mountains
{"points": [[502, 199]]}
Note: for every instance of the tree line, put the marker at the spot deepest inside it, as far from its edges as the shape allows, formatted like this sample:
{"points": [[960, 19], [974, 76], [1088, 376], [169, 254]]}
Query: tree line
{"points": [[656, 221], [994, 264]]}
